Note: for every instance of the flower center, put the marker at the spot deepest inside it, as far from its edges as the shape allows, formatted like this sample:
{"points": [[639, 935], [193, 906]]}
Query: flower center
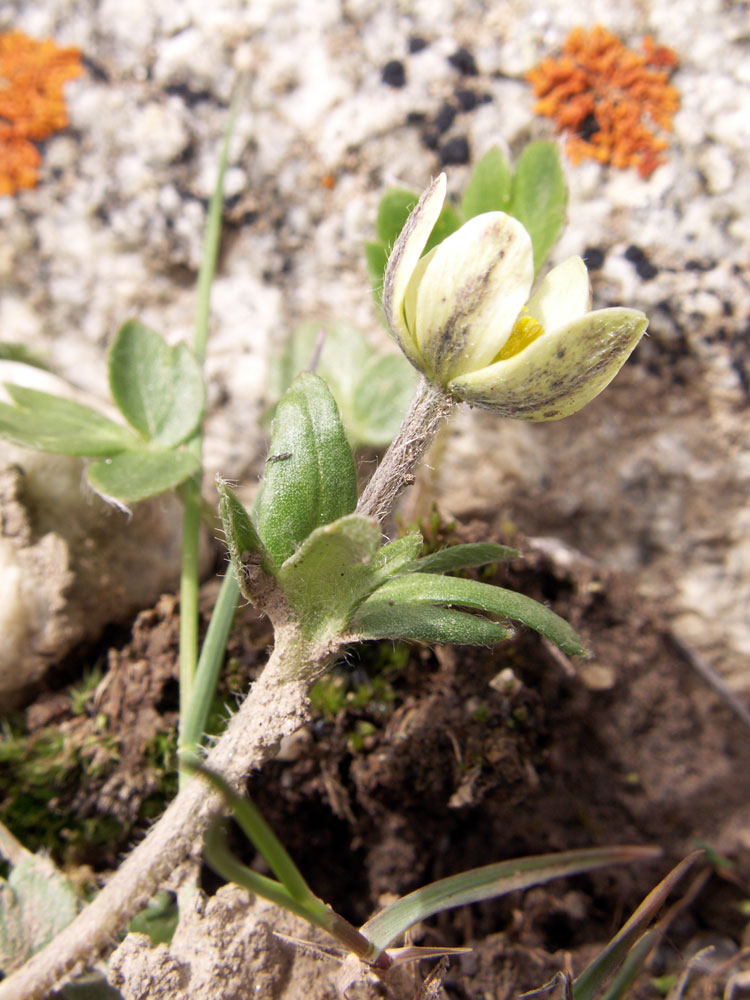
{"points": [[525, 331]]}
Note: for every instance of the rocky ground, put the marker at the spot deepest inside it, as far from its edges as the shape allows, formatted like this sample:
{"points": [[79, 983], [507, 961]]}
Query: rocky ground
{"points": [[633, 512]]}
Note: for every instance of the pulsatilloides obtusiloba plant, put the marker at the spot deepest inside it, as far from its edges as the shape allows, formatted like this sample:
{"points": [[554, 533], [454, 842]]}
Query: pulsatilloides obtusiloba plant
{"points": [[310, 555]]}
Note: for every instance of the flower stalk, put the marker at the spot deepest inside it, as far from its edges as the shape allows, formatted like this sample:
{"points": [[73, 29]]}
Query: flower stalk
{"points": [[430, 407]]}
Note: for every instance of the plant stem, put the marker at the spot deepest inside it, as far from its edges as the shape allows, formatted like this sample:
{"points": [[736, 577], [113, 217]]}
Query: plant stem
{"points": [[191, 491], [274, 708], [191, 495], [194, 711], [429, 409]]}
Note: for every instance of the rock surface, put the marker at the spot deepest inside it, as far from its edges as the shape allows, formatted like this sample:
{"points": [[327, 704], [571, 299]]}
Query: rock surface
{"points": [[651, 479]]}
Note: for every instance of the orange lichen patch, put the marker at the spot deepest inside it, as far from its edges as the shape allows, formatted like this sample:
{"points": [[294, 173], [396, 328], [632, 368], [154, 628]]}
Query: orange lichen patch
{"points": [[32, 106], [609, 98]]}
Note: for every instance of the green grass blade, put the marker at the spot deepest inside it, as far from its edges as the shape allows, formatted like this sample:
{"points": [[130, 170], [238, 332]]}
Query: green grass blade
{"points": [[488, 882], [209, 664], [589, 982], [264, 839], [632, 966], [225, 864], [191, 492], [211, 240]]}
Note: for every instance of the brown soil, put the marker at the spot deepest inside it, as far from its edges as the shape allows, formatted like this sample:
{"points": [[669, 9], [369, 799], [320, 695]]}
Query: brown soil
{"points": [[425, 763]]}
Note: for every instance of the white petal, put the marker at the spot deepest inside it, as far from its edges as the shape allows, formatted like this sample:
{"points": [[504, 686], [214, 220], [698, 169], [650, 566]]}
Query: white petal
{"points": [[471, 292], [563, 296], [558, 373], [404, 258]]}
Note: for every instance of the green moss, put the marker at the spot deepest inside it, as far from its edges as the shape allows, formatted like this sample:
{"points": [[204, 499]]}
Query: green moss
{"points": [[40, 774]]}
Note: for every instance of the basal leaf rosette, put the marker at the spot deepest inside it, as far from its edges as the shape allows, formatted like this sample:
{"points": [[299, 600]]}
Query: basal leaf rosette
{"points": [[463, 317]]}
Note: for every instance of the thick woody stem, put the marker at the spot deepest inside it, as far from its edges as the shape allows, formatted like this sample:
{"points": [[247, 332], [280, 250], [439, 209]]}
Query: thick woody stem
{"points": [[429, 409], [275, 707]]}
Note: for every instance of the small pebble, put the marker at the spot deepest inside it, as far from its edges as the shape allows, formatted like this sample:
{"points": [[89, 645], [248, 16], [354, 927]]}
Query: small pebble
{"points": [[416, 44], [455, 151], [445, 117], [593, 258], [463, 61], [467, 99], [394, 74]]}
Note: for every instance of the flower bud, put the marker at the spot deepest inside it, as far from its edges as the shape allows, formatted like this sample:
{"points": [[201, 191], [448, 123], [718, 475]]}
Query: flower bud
{"points": [[462, 316]]}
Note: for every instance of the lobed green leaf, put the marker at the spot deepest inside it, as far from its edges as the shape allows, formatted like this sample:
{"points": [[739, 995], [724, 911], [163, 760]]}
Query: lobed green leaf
{"points": [[310, 477], [136, 475], [393, 211], [46, 422], [159, 389], [379, 401]]}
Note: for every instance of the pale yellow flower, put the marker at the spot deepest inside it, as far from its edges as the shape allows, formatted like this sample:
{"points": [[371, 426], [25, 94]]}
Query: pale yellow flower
{"points": [[462, 315]]}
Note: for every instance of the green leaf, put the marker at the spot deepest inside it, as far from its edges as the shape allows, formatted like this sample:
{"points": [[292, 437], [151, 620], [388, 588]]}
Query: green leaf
{"points": [[342, 357], [428, 588], [539, 197], [136, 475], [50, 423], [463, 557], [331, 572], [376, 257], [397, 555], [488, 882], [448, 222], [12, 351], [393, 211], [489, 187], [240, 533], [36, 902], [159, 389], [53, 423], [382, 620], [373, 391], [310, 476], [380, 399]]}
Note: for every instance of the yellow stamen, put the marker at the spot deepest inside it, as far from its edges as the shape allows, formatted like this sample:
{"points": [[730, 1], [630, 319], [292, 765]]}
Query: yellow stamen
{"points": [[525, 331]]}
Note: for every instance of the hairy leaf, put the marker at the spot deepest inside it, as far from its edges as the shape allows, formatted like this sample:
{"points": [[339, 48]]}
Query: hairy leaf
{"points": [[383, 620], [463, 557], [240, 533], [428, 588], [331, 572], [310, 478]]}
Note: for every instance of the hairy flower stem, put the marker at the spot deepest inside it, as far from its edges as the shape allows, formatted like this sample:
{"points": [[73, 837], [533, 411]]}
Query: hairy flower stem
{"points": [[275, 707], [429, 409]]}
